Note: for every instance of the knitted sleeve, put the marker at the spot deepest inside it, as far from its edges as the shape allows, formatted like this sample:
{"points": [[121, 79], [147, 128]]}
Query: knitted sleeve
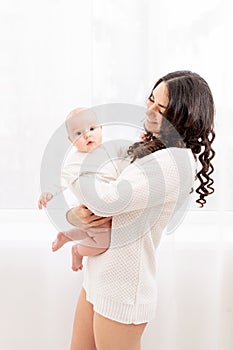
{"points": [[148, 182]]}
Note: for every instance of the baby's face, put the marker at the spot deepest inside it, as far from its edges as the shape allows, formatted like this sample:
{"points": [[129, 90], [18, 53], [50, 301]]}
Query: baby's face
{"points": [[84, 132]]}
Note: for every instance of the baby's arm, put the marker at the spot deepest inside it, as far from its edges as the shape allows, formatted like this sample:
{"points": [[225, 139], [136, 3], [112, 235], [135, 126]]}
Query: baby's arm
{"points": [[44, 199], [54, 190], [69, 173]]}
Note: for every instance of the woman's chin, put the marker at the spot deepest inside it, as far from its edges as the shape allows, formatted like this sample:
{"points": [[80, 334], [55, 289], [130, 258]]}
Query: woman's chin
{"points": [[151, 127]]}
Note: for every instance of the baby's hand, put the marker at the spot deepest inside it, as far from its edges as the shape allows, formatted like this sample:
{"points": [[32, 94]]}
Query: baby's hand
{"points": [[44, 199]]}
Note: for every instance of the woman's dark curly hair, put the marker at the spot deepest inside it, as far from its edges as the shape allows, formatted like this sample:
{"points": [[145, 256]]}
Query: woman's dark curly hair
{"points": [[188, 122]]}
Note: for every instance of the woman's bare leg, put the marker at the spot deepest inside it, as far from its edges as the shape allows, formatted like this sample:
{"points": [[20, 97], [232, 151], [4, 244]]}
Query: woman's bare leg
{"points": [[83, 336], [114, 335]]}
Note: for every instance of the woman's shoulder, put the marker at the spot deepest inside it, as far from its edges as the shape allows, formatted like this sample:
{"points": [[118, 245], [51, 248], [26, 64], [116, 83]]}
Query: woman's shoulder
{"points": [[175, 153], [174, 161], [182, 158], [167, 154]]}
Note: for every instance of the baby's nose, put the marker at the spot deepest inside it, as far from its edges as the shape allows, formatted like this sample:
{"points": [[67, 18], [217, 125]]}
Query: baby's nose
{"points": [[87, 134]]}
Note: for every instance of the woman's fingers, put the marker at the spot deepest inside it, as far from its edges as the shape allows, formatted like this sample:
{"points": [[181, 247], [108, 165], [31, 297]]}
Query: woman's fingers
{"points": [[83, 218], [77, 217], [83, 214], [97, 229], [100, 221]]}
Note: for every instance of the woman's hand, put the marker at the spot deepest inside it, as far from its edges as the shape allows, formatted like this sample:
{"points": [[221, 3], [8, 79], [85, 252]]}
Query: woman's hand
{"points": [[83, 218]]}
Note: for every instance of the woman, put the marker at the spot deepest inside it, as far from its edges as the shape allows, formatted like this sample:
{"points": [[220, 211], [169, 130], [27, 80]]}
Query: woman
{"points": [[118, 297]]}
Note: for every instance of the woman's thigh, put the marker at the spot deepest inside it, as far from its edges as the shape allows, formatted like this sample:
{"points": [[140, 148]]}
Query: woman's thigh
{"points": [[83, 336], [113, 335]]}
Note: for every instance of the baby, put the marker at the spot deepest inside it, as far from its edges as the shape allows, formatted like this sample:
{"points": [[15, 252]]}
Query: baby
{"points": [[85, 134]]}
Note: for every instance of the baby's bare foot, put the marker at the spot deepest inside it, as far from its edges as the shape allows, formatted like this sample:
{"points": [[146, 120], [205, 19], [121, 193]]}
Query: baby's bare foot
{"points": [[60, 240], [76, 259]]}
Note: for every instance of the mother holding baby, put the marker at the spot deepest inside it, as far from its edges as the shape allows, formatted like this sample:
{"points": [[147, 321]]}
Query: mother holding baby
{"points": [[119, 296]]}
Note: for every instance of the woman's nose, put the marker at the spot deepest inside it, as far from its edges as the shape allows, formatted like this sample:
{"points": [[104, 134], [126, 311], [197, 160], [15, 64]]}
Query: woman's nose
{"points": [[153, 106]]}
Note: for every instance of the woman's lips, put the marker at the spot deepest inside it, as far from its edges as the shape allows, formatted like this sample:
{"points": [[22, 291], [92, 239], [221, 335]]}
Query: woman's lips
{"points": [[151, 121]]}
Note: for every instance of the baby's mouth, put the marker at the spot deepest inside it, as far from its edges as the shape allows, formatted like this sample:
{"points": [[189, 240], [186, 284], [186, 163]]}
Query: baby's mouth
{"points": [[89, 143]]}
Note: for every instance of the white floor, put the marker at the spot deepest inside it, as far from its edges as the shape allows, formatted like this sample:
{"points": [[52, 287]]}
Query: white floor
{"points": [[39, 290]]}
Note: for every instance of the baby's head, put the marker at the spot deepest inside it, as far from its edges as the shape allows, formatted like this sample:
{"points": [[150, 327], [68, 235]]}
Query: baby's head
{"points": [[83, 129]]}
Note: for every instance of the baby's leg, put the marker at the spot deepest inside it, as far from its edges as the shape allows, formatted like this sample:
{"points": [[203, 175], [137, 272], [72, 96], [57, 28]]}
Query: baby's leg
{"points": [[79, 251], [67, 236], [90, 246], [76, 259]]}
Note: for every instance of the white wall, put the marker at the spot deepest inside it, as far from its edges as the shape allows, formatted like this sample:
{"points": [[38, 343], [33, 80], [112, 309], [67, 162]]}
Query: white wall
{"points": [[56, 55], [46, 56]]}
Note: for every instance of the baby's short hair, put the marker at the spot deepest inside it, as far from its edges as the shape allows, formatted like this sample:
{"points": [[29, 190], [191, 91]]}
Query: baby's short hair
{"points": [[82, 112], [72, 114]]}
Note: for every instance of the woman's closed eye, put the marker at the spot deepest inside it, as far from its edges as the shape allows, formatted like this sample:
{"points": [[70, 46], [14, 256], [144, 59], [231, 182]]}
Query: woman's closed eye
{"points": [[160, 112], [151, 99]]}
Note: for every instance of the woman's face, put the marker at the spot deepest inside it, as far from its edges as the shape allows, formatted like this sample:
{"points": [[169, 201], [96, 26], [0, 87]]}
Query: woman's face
{"points": [[156, 106]]}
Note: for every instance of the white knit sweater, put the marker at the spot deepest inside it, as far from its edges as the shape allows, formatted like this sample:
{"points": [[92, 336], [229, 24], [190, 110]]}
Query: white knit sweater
{"points": [[121, 283]]}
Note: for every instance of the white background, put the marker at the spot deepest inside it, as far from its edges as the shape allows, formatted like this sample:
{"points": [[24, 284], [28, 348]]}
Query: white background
{"points": [[56, 55]]}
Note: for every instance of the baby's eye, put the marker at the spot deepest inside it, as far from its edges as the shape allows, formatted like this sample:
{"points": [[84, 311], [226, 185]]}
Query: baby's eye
{"points": [[78, 133], [92, 128]]}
